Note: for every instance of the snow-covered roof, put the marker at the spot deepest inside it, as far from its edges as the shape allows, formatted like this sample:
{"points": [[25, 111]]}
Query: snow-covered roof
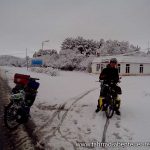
{"points": [[123, 59]]}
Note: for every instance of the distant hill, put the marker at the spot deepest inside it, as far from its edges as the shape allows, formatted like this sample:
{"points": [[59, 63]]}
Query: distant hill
{"points": [[6, 60]]}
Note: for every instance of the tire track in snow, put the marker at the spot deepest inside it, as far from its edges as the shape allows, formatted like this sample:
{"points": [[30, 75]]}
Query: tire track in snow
{"points": [[49, 122], [61, 107], [115, 134], [105, 130], [57, 129]]}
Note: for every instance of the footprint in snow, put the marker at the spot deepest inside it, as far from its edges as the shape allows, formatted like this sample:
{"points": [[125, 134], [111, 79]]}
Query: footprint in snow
{"points": [[117, 136], [84, 106], [117, 124], [79, 128], [125, 129], [75, 122], [118, 117], [94, 115], [61, 148]]}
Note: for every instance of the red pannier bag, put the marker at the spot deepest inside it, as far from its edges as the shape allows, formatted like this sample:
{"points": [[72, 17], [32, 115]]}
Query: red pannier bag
{"points": [[21, 79]]}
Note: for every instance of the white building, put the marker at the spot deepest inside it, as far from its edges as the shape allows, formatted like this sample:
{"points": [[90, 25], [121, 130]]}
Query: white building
{"points": [[127, 65]]}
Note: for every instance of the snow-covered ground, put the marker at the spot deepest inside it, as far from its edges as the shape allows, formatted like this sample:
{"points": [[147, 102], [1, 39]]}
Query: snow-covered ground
{"points": [[64, 111]]}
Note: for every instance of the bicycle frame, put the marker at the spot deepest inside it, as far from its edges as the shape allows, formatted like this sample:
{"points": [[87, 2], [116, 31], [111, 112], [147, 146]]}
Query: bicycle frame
{"points": [[110, 101]]}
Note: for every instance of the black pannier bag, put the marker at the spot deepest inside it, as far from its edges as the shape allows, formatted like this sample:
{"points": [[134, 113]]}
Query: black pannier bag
{"points": [[33, 85], [118, 90], [104, 90], [31, 91]]}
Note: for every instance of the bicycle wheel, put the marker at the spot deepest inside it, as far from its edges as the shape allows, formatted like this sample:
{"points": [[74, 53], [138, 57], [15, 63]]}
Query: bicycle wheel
{"points": [[110, 108], [10, 116]]}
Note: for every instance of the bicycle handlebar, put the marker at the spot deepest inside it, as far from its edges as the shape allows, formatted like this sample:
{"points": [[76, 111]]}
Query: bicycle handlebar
{"points": [[110, 82], [34, 78]]}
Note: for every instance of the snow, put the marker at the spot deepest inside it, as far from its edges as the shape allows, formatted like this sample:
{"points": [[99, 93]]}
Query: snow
{"points": [[64, 110], [124, 59]]}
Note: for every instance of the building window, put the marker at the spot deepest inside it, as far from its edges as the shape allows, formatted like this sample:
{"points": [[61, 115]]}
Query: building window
{"points": [[127, 68], [97, 67], [102, 67], [141, 68], [119, 68]]}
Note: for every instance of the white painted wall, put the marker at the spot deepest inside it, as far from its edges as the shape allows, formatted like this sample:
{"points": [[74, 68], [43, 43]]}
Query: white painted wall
{"points": [[146, 69], [94, 67], [134, 69]]}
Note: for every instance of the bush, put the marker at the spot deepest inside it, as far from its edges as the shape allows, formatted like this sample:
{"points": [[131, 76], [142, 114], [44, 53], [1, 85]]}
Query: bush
{"points": [[49, 70]]}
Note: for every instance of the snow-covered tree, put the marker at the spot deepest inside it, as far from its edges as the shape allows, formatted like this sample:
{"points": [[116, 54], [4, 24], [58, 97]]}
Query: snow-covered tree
{"points": [[44, 52], [84, 46]]}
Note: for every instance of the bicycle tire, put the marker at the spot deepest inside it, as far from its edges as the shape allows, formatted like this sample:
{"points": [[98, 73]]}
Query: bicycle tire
{"points": [[10, 120], [110, 108]]}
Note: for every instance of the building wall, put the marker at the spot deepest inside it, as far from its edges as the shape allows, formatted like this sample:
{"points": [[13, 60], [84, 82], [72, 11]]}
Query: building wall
{"points": [[146, 69], [134, 68], [94, 67]]}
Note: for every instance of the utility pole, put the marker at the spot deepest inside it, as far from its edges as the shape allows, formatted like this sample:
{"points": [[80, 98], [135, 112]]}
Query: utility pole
{"points": [[148, 47], [26, 58], [43, 43]]}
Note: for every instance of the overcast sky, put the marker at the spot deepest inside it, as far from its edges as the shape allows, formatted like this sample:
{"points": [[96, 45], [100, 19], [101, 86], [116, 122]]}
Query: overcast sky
{"points": [[26, 23]]}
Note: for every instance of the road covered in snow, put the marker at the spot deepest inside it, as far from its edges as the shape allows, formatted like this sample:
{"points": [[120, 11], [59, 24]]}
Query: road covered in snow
{"points": [[64, 112]]}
